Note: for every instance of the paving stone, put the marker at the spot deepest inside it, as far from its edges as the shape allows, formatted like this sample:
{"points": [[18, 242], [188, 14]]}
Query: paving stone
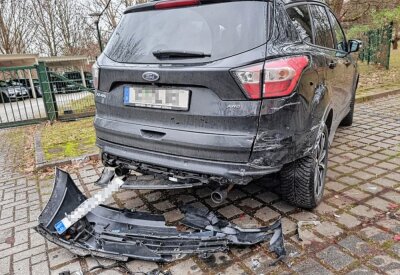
{"points": [[328, 229], [60, 256], [390, 224], [324, 208], [259, 263], [217, 260], [378, 203], [361, 210], [164, 205], [267, 197], [173, 215], [288, 226], [283, 206], [376, 234], [310, 267], [250, 203], [4, 265], [246, 221], [335, 258], [305, 216], [386, 263], [362, 270], [266, 214], [233, 269], [371, 188], [335, 186], [187, 267], [142, 266], [393, 196], [385, 182], [71, 267], [21, 267], [230, 211], [356, 194], [349, 180], [41, 268], [356, 246], [348, 220]]}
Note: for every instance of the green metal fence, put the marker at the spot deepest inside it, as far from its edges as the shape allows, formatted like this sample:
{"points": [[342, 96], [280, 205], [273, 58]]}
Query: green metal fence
{"points": [[377, 45], [21, 95], [31, 94]]}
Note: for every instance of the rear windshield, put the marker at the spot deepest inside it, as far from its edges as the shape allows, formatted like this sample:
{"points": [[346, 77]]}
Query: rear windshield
{"points": [[219, 30]]}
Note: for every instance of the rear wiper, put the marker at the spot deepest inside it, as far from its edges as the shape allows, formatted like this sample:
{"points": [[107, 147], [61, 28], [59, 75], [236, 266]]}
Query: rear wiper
{"points": [[161, 54]]}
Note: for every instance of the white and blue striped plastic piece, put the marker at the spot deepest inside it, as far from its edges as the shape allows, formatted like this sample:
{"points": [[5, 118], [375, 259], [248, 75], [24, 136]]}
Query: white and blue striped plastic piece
{"points": [[88, 205]]}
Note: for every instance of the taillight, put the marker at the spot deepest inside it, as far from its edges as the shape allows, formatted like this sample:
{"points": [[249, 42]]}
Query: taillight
{"points": [[176, 4], [95, 76], [281, 75], [274, 78], [250, 79]]}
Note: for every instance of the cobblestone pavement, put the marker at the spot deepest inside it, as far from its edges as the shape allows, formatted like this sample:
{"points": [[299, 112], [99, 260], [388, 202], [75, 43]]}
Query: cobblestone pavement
{"points": [[359, 217]]}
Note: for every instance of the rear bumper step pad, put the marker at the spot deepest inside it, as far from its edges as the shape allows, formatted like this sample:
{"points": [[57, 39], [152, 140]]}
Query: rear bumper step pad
{"points": [[123, 234]]}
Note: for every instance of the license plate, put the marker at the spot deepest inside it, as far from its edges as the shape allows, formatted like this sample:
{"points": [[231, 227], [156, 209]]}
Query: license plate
{"points": [[171, 99]]}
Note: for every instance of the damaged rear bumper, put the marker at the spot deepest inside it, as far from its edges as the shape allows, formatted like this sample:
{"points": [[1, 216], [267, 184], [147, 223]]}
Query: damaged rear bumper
{"points": [[123, 234]]}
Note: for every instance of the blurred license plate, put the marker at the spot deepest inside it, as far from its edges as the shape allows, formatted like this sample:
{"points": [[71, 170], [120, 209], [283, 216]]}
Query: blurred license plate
{"points": [[172, 99]]}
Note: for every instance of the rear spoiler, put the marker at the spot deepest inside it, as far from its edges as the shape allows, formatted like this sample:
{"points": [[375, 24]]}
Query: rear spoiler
{"points": [[168, 4]]}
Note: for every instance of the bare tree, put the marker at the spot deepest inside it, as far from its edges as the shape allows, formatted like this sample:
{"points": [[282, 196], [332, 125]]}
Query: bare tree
{"points": [[16, 32]]}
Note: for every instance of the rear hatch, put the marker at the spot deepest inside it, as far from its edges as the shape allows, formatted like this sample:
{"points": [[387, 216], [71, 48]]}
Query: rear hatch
{"points": [[166, 82]]}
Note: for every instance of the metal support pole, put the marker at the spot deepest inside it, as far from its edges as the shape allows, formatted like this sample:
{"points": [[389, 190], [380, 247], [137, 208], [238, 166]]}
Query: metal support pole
{"points": [[48, 96]]}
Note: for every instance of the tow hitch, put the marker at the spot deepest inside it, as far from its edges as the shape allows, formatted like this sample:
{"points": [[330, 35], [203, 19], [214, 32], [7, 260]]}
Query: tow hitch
{"points": [[122, 234]]}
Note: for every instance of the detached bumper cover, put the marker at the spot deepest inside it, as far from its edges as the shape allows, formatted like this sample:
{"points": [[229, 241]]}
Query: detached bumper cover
{"points": [[122, 234]]}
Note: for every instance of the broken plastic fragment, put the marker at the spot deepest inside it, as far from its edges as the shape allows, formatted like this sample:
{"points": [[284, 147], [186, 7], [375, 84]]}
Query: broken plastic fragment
{"points": [[123, 234]]}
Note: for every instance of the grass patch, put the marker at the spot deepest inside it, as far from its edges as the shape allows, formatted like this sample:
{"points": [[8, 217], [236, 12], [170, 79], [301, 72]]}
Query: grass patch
{"points": [[68, 139], [376, 76], [83, 105]]}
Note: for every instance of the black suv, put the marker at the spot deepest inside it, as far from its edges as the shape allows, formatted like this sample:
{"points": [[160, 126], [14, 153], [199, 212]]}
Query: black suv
{"points": [[227, 92]]}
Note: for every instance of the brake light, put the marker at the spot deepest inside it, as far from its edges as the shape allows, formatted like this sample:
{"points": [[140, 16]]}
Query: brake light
{"points": [[275, 78], [250, 79], [95, 76], [176, 4], [281, 75]]}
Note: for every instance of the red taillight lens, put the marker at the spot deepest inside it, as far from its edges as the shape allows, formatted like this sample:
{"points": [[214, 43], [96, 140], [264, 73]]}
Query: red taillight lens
{"points": [[250, 79], [275, 78], [281, 75], [176, 4]]}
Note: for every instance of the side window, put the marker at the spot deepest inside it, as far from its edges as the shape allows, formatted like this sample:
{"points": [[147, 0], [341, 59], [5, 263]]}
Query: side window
{"points": [[322, 27], [341, 43], [302, 21]]}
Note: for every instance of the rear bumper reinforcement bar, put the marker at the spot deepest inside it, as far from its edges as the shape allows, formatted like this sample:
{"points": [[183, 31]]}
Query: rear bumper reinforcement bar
{"points": [[123, 234]]}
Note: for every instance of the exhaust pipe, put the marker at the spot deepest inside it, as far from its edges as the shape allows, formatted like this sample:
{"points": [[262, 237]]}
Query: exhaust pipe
{"points": [[219, 195]]}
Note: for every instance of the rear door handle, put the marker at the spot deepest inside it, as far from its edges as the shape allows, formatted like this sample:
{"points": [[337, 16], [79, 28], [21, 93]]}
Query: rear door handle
{"points": [[332, 64]]}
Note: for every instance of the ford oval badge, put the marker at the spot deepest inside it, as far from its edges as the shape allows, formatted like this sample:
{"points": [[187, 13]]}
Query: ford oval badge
{"points": [[150, 76]]}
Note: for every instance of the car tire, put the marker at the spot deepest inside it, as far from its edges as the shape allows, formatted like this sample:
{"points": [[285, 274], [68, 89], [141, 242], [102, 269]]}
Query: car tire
{"points": [[303, 180]]}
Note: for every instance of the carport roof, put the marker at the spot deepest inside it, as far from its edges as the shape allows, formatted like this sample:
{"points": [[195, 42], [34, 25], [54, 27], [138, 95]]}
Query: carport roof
{"points": [[16, 60]]}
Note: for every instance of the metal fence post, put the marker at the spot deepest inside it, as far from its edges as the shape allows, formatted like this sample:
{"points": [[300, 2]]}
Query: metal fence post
{"points": [[49, 101]]}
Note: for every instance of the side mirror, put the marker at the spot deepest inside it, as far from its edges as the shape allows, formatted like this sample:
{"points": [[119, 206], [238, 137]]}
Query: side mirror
{"points": [[354, 45]]}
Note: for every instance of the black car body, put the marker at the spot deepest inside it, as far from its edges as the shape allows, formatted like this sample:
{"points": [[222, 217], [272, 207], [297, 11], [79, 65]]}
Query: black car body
{"points": [[227, 91], [76, 76]]}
